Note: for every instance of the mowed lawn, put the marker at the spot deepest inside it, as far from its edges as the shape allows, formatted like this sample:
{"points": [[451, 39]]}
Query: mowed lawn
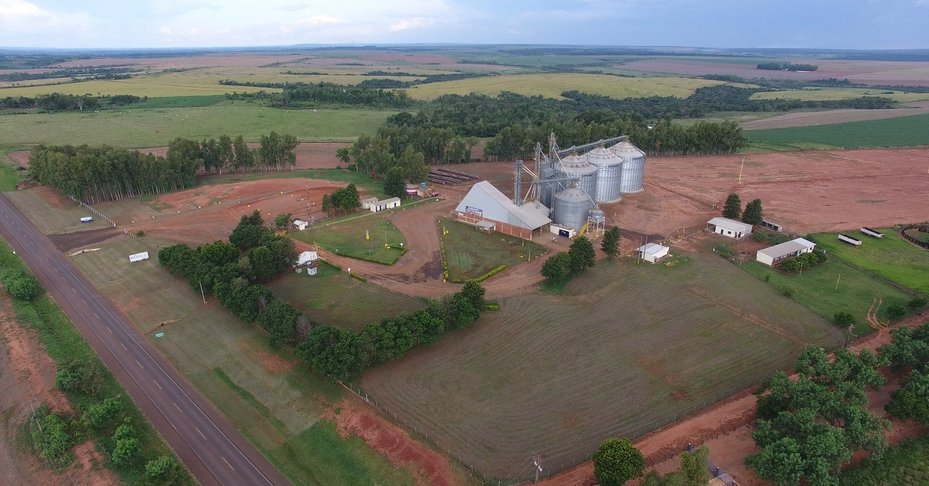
{"points": [[834, 287], [271, 398], [891, 257], [62, 216], [551, 85], [156, 127], [335, 298], [904, 131], [363, 236], [624, 350], [471, 253]]}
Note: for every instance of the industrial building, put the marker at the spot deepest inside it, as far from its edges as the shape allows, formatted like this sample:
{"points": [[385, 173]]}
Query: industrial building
{"points": [[771, 255], [729, 227], [484, 202], [377, 206], [652, 252]]}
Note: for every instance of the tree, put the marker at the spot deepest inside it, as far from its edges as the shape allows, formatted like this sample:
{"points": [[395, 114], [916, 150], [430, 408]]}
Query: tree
{"points": [[582, 255], [558, 267], [281, 221], [693, 471], [911, 402], [610, 243], [843, 319], [733, 207], [617, 461], [473, 291], [395, 183], [753, 213], [343, 154], [126, 452], [161, 468], [21, 285], [104, 414]]}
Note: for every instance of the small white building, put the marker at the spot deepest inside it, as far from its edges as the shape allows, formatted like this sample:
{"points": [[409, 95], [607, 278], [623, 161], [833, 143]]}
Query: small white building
{"points": [[300, 224], [367, 202], [378, 206], [729, 227], [652, 252], [138, 257], [771, 255], [308, 260]]}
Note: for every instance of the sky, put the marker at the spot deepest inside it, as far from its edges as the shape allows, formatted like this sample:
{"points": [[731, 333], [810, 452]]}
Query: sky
{"points": [[825, 24]]}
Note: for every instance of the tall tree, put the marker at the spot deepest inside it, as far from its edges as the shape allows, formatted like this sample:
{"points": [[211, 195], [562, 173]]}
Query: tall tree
{"points": [[394, 183], [582, 255], [617, 461], [733, 207], [753, 213], [610, 243], [558, 267]]}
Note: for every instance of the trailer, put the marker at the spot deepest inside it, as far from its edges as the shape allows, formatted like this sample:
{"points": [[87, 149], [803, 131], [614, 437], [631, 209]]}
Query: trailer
{"points": [[848, 239], [871, 232], [87, 219]]}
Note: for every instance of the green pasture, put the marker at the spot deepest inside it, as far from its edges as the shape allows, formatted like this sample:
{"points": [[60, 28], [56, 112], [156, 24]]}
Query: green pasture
{"points": [[361, 180], [269, 396], [816, 289], [551, 85], [155, 127], [894, 132], [335, 298], [52, 219], [904, 463], [365, 236], [891, 257], [471, 253], [835, 94]]}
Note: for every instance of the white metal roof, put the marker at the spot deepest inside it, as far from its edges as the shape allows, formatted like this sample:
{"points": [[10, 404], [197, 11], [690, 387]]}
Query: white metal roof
{"points": [[653, 249], [496, 206], [730, 224], [388, 201], [306, 257], [787, 248]]}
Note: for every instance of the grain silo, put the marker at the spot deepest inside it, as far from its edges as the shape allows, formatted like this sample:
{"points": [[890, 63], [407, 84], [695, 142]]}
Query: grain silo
{"points": [[572, 206], [584, 171], [547, 189], [633, 168], [609, 174]]}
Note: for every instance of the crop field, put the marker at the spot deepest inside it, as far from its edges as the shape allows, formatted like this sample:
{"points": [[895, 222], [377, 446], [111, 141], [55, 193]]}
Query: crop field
{"points": [[904, 131], [365, 237], [834, 287], [826, 94], [337, 299], [151, 85], [627, 348], [264, 392], [156, 127], [890, 257], [552, 85], [471, 253]]}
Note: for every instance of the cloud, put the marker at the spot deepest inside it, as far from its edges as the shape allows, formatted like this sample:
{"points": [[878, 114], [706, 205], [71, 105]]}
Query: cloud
{"points": [[410, 24], [22, 17]]}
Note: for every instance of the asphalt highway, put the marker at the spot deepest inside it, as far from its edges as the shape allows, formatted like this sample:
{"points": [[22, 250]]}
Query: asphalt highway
{"points": [[203, 439]]}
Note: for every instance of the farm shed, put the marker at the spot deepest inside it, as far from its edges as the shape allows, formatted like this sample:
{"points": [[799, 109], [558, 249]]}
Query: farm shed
{"points": [[367, 202], [484, 202], [308, 260], [300, 224], [729, 227], [391, 203], [769, 256], [652, 252]]}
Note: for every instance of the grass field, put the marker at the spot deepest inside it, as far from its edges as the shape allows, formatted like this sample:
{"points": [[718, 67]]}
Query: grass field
{"points": [[829, 94], [361, 180], [890, 257], [552, 85], [471, 253], [271, 399], [894, 132], [337, 299], [52, 219], [905, 463], [816, 289], [156, 127], [363, 236], [9, 176], [625, 349]]}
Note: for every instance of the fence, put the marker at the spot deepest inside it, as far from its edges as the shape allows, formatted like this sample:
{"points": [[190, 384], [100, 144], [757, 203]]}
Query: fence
{"points": [[93, 210], [916, 241], [526, 471]]}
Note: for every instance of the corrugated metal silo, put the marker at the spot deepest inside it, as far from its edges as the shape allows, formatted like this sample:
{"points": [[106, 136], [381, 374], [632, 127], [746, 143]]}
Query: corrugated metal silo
{"points": [[609, 174], [633, 172], [575, 166], [572, 207], [546, 190]]}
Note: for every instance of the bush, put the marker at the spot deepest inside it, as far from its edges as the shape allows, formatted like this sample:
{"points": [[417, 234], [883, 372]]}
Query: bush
{"points": [[140, 233], [617, 461], [843, 319], [21, 285], [51, 439], [162, 468], [916, 303], [895, 312], [787, 291]]}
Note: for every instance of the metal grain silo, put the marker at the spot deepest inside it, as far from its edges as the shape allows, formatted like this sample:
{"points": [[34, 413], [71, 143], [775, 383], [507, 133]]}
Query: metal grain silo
{"points": [[609, 174], [579, 167], [633, 171], [572, 207], [546, 190]]}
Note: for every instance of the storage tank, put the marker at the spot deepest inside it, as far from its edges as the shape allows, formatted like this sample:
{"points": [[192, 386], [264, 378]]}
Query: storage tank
{"points": [[609, 174], [597, 216], [633, 171], [572, 207], [546, 190], [575, 166]]}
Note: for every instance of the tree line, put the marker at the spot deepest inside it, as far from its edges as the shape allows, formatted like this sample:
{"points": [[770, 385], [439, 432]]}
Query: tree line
{"points": [[295, 95], [67, 102], [786, 66], [105, 173], [234, 272]]}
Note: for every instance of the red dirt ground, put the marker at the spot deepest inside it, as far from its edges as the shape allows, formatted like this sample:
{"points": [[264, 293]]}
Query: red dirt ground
{"points": [[725, 429], [352, 417]]}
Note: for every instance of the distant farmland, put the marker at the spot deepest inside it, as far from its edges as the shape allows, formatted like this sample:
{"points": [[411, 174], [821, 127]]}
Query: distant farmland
{"points": [[627, 349], [905, 131]]}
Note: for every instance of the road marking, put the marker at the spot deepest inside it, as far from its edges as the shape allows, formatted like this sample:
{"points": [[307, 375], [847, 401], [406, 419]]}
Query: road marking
{"points": [[96, 315], [178, 408], [123, 345], [108, 328], [201, 433], [156, 384], [84, 301], [140, 364], [227, 463]]}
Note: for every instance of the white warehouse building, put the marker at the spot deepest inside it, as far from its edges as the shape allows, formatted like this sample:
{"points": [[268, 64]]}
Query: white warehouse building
{"points": [[729, 227], [771, 255]]}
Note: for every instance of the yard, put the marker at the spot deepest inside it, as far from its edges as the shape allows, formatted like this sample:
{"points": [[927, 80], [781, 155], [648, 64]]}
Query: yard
{"points": [[365, 236], [890, 257], [471, 253], [624, 350]]}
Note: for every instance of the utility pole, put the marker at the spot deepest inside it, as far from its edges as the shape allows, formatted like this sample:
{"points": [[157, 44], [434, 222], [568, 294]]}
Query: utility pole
{"points": [[740, 170], [837, 281], [537, 462], [202, 295]]}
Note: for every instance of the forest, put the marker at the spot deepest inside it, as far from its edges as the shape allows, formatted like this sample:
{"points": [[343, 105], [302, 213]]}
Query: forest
{"points": [[67, 102]]}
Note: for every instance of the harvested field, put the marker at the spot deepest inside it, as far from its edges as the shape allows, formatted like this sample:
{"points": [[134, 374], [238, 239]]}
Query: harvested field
{"points": [[590, 357], [831, 117]]}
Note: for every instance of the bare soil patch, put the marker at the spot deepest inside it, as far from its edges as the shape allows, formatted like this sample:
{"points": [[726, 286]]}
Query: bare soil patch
{"points": [[830, 117], [270, 361], [69, 241]]}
